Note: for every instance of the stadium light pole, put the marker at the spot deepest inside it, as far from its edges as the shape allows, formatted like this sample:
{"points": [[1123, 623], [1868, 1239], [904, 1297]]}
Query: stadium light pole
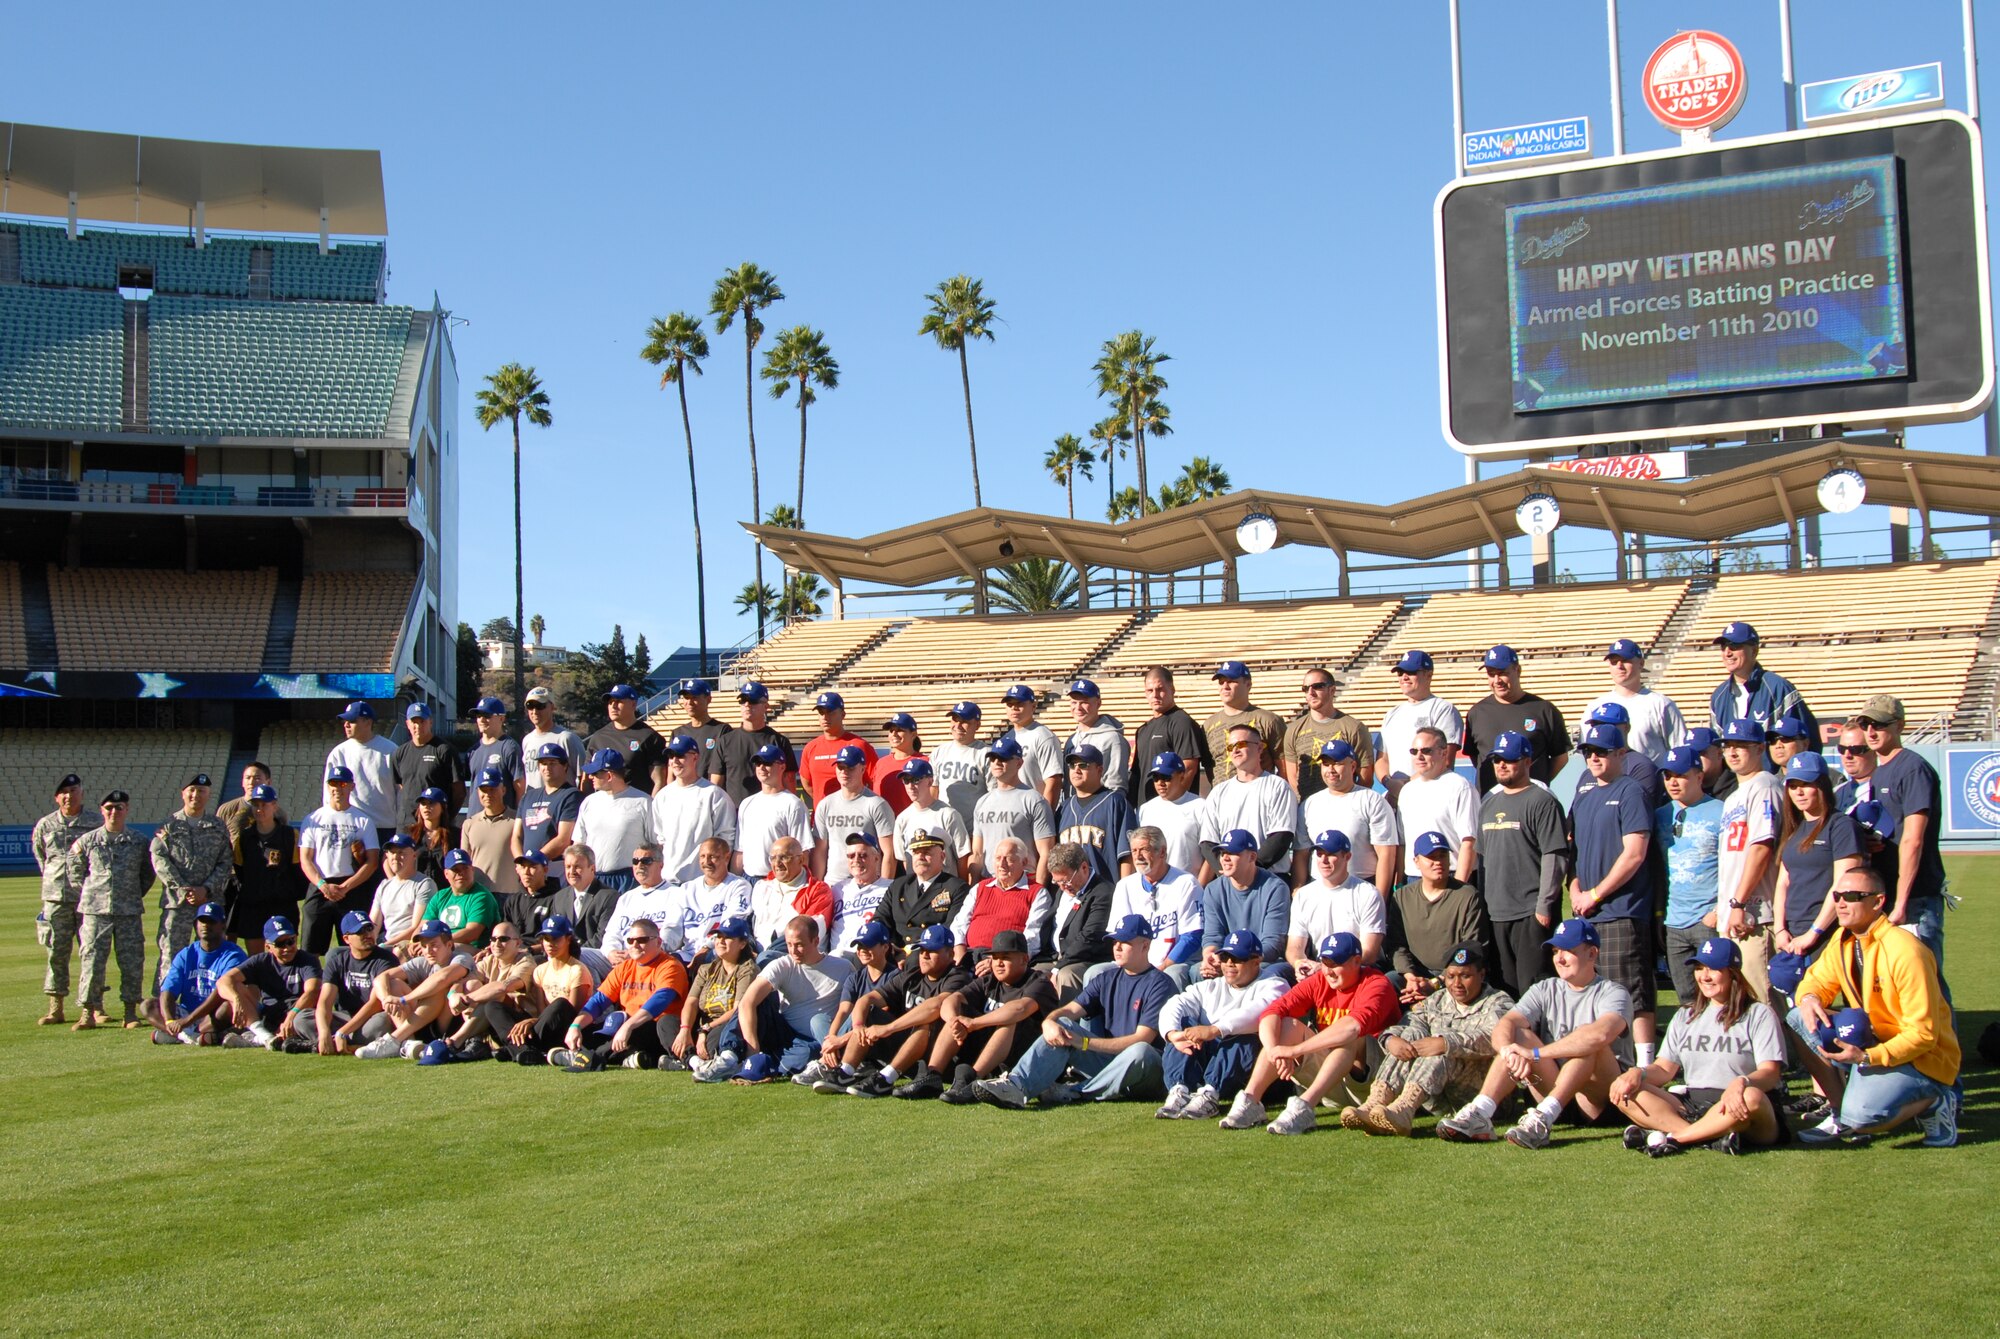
{"points": [[1473, 570], [1991, 422], [1809, 523]]}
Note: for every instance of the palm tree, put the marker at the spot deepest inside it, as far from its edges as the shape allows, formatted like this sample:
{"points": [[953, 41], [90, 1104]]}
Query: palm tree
{"points": [[1128, 371], [536, 625], [676, 346], [1202, 478], [1033, 586], [1114, 439], [803, 593], [801, 354], [744, 291], [509, 393], [1065, 461], [960, 311], [781, 516], [757, 596]]}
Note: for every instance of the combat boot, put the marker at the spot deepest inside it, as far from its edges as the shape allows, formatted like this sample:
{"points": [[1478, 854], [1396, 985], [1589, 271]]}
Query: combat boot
{"points": [[87, 1019], [55, 1013], [132, 1018]]}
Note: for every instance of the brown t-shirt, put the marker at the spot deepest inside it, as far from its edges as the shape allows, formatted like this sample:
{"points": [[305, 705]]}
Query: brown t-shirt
{"points": [[1268, 724], [489, 840]]}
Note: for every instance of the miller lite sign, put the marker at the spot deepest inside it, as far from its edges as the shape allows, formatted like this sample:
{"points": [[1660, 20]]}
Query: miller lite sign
{"points": [[1694, 81]]}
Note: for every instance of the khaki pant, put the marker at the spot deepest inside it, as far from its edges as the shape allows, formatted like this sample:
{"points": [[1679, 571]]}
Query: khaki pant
{"points": [[176, 933], [1757, 963]]}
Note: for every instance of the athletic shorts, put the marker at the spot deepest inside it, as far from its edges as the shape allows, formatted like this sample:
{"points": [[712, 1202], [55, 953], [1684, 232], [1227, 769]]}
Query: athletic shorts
{"points": [[1625, 955], [1695, 1102]]}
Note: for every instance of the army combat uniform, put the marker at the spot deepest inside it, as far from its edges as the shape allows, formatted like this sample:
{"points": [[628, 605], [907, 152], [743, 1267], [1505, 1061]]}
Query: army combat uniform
{"points": [[53, 837], [188, 853], [1446, 1081], [111, 871]]}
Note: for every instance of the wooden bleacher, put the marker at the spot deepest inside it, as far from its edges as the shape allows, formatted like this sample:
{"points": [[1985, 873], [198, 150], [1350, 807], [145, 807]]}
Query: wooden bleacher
{"points": [[1050, 646], [1930, 676], [350, 621], [868, 705], [1554, 618], [295, 751], [155, 620], [1263, 636], [805, 653], [1849, 604]]}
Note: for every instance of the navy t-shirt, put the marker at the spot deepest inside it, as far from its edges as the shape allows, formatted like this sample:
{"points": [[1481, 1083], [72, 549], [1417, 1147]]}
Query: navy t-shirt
{"points": [[1602, 818], [543, 811], [353, 978], [1908, 785], [280, 980], [1809, 867], [1124, 1003]]}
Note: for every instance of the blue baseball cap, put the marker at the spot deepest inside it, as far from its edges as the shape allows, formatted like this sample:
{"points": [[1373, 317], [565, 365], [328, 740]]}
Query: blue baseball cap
{"points": [[398, 841], [278, 927], [456, 858], [1681, 760], [1511, 746], [935, 939], [1736, 634], [757, 1068], [1338, 947], [1603, 735], [356, 711], [262, 792], [680, 746], [417, 711], [555, 927], [1083, 688], [1608, 713], [1573, 934], [901, 720], [1854, 1027], [1413, 662], [872, 934], [211, 911], [1875, 816], [604, 760], [1787, 971], [752, 691], [340, 774], [1231, 669], [1166, 763], [694, 688], [1132, 927], [733, 927], [849, 755], [1744, 731], [1242, 945], [1005, 747], [1430, 843], [1332, 842], [863, 837], [552, 752], [620, 692], [1503, 658], [434, 929], [829, 702], [768, 754], [532, 858], [1786, 727], [1719, 954], [1807, 767], [353, 923], [489, 706], [490, 776], [1236, 841], [1084, 753], [964, 711], [1701, 739], [1624, 649], [1336, 750], [435, 794], [916, 769], [1020, 692], [436, 1052]]}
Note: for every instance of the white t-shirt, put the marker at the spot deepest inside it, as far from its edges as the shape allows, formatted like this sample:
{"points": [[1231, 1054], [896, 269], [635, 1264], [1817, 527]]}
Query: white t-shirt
{"points": [[686, 816], [1750, 815], [419, 966], [961, 775], [1216, 1003], [1366, 816], [1041, 755], [1445, 804], [806, 992], [701, 904], [1172, 907], [853, 904], [373, 765], [1260, 807], [612, 825], [1711, 1056], [399, 902], [762, 819], [1400, 726], [838, 815], [941, 819], [330, 834], [1321, 909], [1181, 822], [532, 742], [1656, 722]]}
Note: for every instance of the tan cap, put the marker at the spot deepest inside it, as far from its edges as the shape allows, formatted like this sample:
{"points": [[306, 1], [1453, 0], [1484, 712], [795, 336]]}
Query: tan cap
{"points": [[539, 693], [1882, 707]]}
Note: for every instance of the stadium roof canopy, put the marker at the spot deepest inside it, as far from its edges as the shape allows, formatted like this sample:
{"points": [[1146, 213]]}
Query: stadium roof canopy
{"points": [[141, 179], [1749, 497]]}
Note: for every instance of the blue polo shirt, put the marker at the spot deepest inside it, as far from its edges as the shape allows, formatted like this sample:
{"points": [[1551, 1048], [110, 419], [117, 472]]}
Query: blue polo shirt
{"points": [[1602, 818]]}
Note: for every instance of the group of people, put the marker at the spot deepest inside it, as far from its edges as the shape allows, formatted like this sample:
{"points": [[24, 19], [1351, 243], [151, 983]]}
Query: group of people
{"points": [[1227, 916]]}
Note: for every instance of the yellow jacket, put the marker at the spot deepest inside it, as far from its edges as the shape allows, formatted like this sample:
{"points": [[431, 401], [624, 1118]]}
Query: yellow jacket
{"points": [[1899, 988]]}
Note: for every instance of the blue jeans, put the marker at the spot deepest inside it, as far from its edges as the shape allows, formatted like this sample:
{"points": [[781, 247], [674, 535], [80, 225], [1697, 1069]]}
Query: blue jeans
{"points": [[1223, 1064], [1874, 1095], [1926, 922], [619, 879], [1132, 1072], [792, 1049]]}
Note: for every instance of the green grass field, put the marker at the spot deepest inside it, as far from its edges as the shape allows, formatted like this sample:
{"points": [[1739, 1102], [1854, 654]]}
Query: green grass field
{"points": [[160, 1190]]}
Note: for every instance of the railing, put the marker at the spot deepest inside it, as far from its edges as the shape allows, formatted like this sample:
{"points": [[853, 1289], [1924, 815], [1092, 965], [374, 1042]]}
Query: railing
{"points": [[179, 495]]}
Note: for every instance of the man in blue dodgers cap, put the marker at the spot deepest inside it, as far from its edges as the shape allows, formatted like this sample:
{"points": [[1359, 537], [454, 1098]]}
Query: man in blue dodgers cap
{"points": [[465, 904], [1104, 733], [1041, 751], [1176, 811], [1419, 710], [926, 812], [495, 748], [1436, 1057], [546, 820], [959, 763], [371, 760], [191, 978], [1638, 766], [1334, 900], [1512, 709], [1234, 708], [1255, 799], [688, 810], [1523, 863], [1095, 815], [1110, 1034], [425, 762], [638, 744], [707, 732], [1611, 825], [1716, 778], [1244, 897], [195, 860], [1751, 692], [1566, 1039], [1747, 865], [488, 831], [1348, 803], [415, 994], [1429, 917], [339, 852], [752, 734], [896, 1021], [268, 995], [1654, 722], [346, 1014], [1010, 808], [1210, 1030], [615, 819], [850, 808]]}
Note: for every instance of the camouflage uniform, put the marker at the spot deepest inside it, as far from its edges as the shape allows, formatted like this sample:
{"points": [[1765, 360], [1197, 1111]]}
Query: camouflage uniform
{"points": [[188, 853], [1447, 1081], [111, 871], [53, 837]]}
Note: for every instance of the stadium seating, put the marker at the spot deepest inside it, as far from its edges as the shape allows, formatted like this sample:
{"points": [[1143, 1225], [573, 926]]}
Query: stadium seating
{"points": [[161, 621], [1198, 636], [274, 369], [868, 705], [1557, 617], [60, 359], [932, 649], [295, 751], [13, 622], [1886, 603], [152, 765], [805, 653], [349, 272], [1930, 676], [349, 621]]}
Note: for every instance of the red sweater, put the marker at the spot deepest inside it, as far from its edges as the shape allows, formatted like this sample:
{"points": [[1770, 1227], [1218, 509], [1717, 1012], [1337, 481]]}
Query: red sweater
{"points": [[995, 909], [1371, 1002]]}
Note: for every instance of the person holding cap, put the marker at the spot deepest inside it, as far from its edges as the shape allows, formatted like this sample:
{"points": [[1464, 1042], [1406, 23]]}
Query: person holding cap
{"points": [[898, 1019], [1313, 1036], [191, 978], [1095, 816], [925, 893], [1010, 809], [1746, 867], [1313, 729], [1110, 1034], [1419, 710], [488, 832], [1566, 1039], [1169, 730], [549, 809], [635, 1014], [770, 815], [558, 989], [718, 985], [53, 836], [1254, 801], [1909, 1068], [994, 1019], [1435, 798], [1512, 709], [852, 808], [1908, 787], [753, 734], [192, 855], [1612, 827], [1857, 767], [540, 705], [1728, 1051], [339, 853], [400, 898], [425, 762], [1361, 813], [1104, 733], [465, 905], [1688, 830], [960, 762], [1168, 897], [688, 810], [885, 775], [926, 812], [1437, 1056], [1244, 897], [1429, 917], [817, 777], [1654, 722], [1006, 899], [371, 760], [637, 744], [495, 749], [111, 867], [1751, 692], [1210, 1031], [1233, 709], [1041, 754], [1177, 812], [416, 993], [347, 1014], [702, 727], [1331, 902], [784, 1018], [1523, 862]]}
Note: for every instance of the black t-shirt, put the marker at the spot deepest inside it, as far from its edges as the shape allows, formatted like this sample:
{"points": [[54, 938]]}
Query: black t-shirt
{"points": [[1175, 732], [641, 747], [1515, 832], [739, 759], [1536, 717], [986, 994], [418, 769], [543, 811], [352, 978], [710, 737], [281, 981], [907, 987], [1908, 785], [269, 872]]}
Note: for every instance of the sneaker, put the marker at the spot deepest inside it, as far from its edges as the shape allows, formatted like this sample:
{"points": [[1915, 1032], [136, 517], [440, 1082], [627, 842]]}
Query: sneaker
{"points": [[831, 1080], [1204, 1105], [1063, 1095], [924, 1087], [412, 1049], [961, 1094], [632, 1062], [1664, 1148], [718, 1070], [262, 1035], [1176, 1103], [1467, 1127], [276, 1046], [242, 1041], [162, 1037], [1940, 1123], [1245, 1112], [528, 1055], [560, 1057], [1635, 1138], [1731, 1143], [384, 1047], [296, 1046], [874, 1085], [1809, 1109], [1826, 1132], [573, 1062], [812, 1074], [1000, 1092], [671, 1064], [476, 1049], [1296, 1118], [1531, 1131]]}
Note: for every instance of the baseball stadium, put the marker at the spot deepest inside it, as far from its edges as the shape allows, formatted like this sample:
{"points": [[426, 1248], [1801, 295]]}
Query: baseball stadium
{"points": [[638, 955]]}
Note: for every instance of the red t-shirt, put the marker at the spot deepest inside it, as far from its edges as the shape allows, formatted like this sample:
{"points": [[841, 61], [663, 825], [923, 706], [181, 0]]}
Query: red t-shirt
{"points": [[1371, 1002], [885, 778], [816, 768]]}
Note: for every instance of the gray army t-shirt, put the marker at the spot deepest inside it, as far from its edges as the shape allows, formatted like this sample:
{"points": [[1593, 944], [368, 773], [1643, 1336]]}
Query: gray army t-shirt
{"points": [[1554, 1009], [1710, 1056]]}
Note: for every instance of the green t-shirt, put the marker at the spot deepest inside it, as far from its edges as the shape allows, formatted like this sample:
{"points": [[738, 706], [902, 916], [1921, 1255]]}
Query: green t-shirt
{"points": [[459, 910]]}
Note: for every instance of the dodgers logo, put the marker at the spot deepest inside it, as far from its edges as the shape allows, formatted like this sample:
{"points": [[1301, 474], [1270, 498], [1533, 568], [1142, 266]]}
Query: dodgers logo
{"points": [[1981, 789]]}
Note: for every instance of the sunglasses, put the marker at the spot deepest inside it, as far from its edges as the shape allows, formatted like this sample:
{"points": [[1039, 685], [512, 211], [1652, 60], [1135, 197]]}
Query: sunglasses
{"points": [[1853, 894], [1591, 751], [1866, 724], [1236, 744], [1314, 687], [284, 943], [506, 939], [1425, 751], [1852, 750], [640, 939], [639, 860]]}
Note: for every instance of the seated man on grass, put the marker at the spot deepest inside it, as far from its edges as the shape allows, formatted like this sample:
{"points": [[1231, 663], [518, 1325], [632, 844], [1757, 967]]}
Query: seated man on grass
{"points": [[1566, 1040], [1110, 1034], [782, 1020], [268, 993], [416, 993], [191, 979], [994, 1020], [347, 1012], [1436, 1058], [1211, 1031], [896, 1021], [1315, 1035], [634, 1015]]}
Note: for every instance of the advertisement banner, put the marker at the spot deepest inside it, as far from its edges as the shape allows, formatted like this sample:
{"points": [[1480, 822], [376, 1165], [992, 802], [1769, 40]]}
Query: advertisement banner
{"points": [[1912, 88], [1543, 142], [1647, 465], [1972, 791], [97, 685]]}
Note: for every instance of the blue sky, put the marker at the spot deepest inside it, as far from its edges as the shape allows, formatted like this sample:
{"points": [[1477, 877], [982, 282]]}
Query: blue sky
{"points": [[1251, 187]]}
